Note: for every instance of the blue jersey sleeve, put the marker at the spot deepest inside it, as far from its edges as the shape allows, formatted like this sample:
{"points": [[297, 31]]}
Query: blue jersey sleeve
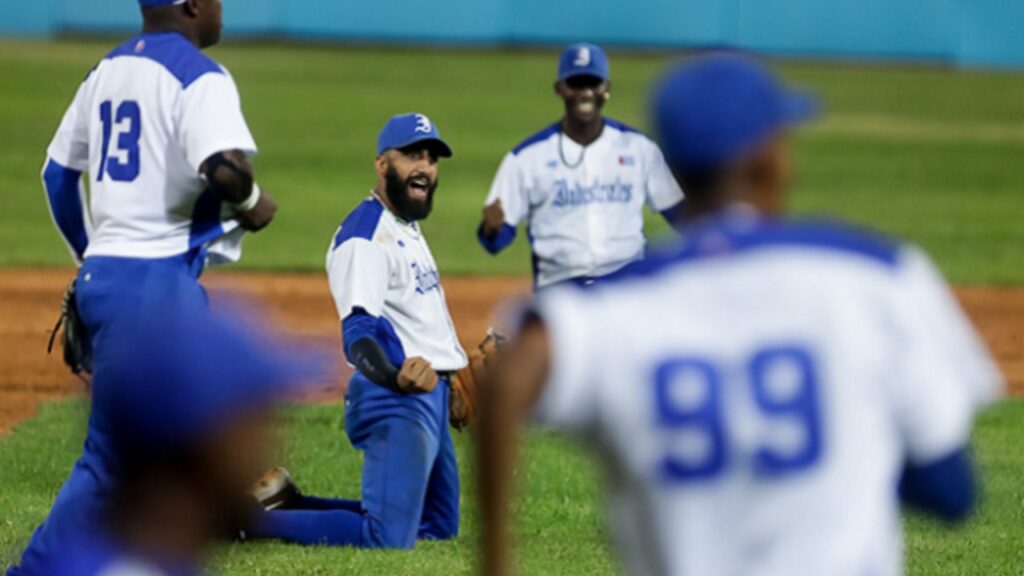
{"points": [[945, 487], [498, 241], [64, 194]]}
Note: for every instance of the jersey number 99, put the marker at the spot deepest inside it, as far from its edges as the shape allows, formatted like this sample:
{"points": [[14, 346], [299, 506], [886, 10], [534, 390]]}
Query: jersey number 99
{"points": [[128, 122], [783, 386]]}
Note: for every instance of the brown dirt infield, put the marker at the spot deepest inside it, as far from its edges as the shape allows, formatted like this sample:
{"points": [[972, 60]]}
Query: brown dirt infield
{"points": [[300, 304]]}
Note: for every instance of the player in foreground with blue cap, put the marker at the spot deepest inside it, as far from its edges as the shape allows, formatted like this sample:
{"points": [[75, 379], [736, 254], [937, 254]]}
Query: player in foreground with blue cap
{"points": [[157, 130], [579, 185], [760, 389], [191, 426], [399, 336]]}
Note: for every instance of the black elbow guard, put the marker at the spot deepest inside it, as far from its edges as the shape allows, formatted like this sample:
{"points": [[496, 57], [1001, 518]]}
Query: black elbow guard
{"points": [[227, 179]]}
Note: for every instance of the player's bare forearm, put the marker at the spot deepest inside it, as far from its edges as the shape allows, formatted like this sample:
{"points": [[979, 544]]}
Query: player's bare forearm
{"points": [[230, 175], [511, 389], [493, 218]]}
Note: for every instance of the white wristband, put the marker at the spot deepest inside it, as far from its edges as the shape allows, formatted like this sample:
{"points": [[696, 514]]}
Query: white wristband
{"points": [[250, 202]]}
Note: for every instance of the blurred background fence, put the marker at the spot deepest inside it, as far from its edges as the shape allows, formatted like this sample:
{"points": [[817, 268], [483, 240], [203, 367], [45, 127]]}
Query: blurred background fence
{"points": [[968, 33]]}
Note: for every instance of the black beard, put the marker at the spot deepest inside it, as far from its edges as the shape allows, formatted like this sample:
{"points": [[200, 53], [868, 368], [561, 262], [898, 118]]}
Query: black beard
{"points": [[398, 194]]}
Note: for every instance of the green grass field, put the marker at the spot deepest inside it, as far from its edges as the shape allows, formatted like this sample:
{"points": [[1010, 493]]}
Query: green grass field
{"points": [[562, 518], [930, 155]]}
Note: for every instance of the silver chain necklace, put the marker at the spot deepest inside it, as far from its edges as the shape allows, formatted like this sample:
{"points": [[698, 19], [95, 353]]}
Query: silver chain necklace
{"points": [[561, 153]]}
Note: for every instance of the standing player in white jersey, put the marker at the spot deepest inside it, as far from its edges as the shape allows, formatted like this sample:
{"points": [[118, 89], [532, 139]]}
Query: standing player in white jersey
{"points": [[762, 390], [158, 127], [399, 336], [580, 184]]}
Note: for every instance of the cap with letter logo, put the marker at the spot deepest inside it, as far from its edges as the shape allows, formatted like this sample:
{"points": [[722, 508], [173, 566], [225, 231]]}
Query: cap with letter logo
{"points": [[405, 130], [714, 109], [583, 60]]}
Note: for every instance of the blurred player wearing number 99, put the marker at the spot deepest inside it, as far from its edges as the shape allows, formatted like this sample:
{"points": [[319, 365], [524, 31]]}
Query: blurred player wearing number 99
{"points": [[761, 388]]}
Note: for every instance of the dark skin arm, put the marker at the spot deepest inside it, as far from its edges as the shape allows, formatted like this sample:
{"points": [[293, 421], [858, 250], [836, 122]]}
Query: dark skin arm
{"points": [[493, 218], [514, 384], [230, 176]]}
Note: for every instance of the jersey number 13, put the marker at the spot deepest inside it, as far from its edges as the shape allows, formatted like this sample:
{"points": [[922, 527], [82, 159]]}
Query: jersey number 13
{"points": [[122, 162]]}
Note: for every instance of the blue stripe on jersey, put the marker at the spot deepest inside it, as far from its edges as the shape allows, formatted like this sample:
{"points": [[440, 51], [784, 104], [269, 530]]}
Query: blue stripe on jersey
{"points": [[537, 138], [361, 222], [62, 192], [727, 236], [206, 225], [172, 51], [621, 126]]}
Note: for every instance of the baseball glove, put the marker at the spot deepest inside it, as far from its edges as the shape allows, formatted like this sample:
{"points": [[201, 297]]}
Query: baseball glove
{"points": [[74, 339], [465, 384]]}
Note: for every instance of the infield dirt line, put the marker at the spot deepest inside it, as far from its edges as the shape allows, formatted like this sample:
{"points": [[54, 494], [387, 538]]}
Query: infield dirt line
{"points": [[300, 305]]}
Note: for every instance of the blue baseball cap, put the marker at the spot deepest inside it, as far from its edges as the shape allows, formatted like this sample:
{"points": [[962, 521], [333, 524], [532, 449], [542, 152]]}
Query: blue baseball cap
{"points": [[583, 59], [153, 3], [178, 375], [408, 129], [712, 110]]}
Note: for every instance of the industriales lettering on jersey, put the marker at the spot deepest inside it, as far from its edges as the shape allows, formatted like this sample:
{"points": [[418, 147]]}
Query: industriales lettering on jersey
{"points": [[577, 194]]}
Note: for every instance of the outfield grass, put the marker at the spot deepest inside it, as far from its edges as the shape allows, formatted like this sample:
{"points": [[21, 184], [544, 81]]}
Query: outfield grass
{"points": [[932, 155], [562, 517]]}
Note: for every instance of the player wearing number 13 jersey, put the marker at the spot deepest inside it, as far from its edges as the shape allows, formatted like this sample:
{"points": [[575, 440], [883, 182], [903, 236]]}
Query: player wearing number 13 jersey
{"points": [[157, 126], [762, 390]]}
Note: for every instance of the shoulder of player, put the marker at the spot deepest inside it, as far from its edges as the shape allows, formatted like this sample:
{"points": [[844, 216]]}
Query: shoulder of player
{"points": [[713, 241], [834, 236], [623, 128], [361, 223], [173, 52], [536, 138]]}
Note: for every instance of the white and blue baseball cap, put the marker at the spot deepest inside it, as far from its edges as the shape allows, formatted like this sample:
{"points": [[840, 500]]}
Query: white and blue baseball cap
{"points": [[154, 3], [583, 60], [407, 129], [712, 110]]}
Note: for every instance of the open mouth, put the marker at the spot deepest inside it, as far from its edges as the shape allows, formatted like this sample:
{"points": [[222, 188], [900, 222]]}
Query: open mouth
{"points": [[419, 188], [587, 107]]}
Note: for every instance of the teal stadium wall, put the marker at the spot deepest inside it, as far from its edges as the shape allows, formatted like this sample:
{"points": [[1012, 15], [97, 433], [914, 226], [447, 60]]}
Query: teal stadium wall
{"points": [[985, 33]]}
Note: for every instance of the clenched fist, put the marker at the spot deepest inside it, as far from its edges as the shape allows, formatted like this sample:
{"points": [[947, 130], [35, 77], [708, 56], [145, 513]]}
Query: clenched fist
{"points": [[417, 376]]}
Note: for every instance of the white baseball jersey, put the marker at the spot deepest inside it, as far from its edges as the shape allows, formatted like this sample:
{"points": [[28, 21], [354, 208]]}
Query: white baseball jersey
{"points": [[382, 264], [757, 393], [583, 206], [141, 124]]}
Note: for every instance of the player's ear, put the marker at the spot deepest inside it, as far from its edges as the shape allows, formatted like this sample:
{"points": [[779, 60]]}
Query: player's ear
{"points": [[191, 8], [558, 86], [381, 164]]}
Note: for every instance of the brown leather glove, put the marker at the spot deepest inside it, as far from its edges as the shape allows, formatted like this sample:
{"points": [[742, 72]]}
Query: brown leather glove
{"points": [[417, 376], [465, 384]]}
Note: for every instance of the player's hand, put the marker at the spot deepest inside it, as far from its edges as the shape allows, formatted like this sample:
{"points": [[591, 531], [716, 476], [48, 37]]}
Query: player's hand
{"points": [[417, 376], [494, 218], [462, 406], [261, 214]]}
